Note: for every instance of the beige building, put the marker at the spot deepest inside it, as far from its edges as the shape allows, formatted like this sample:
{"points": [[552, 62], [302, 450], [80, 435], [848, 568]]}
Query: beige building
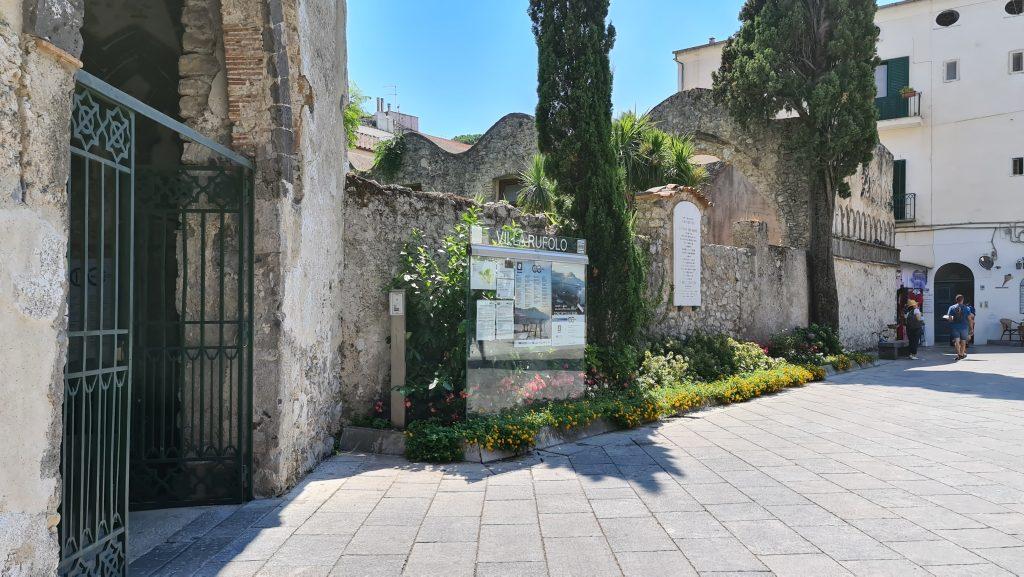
{"points": [[170, 241]]}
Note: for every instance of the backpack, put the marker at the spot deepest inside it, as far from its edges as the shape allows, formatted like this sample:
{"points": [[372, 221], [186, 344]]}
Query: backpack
{"points": [[913, 323]]}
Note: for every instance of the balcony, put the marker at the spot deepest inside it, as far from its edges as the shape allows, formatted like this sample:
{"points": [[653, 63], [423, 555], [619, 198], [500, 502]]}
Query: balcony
{"points": [[903, 207], [897, 111]]}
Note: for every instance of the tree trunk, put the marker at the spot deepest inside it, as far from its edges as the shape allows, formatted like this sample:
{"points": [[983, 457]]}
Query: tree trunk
{"points": [[821, 269]]}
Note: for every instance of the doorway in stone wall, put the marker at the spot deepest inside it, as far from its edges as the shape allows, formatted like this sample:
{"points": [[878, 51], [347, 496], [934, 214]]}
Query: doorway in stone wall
{"points": [[158, 381]]}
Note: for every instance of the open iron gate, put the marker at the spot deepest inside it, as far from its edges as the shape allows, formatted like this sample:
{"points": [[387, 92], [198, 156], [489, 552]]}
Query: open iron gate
{"points": [[191, 419], [158, 382]]}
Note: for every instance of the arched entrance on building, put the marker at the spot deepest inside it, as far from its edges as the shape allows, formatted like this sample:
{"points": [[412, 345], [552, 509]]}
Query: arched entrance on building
{"points": [[950, 280], [158, 382]]}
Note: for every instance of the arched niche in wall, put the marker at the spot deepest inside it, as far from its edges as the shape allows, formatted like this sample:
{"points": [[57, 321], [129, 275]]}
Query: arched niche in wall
{"points": [[735, 198]]}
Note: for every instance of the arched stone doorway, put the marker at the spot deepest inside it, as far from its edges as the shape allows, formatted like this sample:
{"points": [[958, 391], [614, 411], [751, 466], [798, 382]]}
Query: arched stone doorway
{"points": [[950, 280]]}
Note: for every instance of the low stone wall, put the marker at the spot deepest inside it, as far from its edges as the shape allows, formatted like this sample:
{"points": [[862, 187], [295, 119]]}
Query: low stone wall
{"points": [[750, 291], [378, 222], [755, 290]]}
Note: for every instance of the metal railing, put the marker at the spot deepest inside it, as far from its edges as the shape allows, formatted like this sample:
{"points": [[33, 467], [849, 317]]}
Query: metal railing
{"points": [[899, 107], [903, 207]]}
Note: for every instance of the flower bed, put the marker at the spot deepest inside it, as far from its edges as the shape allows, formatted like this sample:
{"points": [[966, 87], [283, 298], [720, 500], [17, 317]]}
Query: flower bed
{"points": [[516, 430]]}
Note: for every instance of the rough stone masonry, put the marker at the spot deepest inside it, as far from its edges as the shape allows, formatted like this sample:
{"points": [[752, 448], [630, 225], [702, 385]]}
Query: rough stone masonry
{"points": [[268, 78]]}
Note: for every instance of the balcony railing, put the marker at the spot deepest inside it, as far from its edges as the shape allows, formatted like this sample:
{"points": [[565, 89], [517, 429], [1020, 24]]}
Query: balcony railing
{"points": [[903, 206], [899, 107]]}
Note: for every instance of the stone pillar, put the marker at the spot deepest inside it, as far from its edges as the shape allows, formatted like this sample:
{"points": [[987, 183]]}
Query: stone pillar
{"points": [[36, 81]]}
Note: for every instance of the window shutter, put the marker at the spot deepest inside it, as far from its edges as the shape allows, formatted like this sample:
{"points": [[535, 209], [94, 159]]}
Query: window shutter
{"points": [[899, 74], [894, 105], [899, 189], [899, 178]]}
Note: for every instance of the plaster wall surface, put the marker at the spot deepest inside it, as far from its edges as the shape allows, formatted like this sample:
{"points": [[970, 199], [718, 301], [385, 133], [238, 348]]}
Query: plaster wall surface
{"points": [[694, 67], [378, 222], [312, 256], [35, 105], [867, 300]]}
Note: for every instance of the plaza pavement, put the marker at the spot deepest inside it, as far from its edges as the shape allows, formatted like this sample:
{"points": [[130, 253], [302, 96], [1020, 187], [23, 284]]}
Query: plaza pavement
{"points": [[904, 469]]}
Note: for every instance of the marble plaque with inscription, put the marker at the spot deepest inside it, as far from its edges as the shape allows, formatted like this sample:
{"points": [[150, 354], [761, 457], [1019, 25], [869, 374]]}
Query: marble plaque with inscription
{"points": [[686, 255]]}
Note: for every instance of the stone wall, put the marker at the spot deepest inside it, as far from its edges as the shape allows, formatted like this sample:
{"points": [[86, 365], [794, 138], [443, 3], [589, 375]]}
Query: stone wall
{"points": [[759, 155], [311, 254], [378, 223], [285, 104], [867, 300], [503, 151], [867, 214], [754, 289], [35, 107], [750, 291]]}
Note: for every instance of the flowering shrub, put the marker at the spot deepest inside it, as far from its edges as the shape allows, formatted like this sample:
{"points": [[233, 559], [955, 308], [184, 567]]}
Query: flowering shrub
{"points": [[662, 370], [710, 357], [629, 406], [862, 358], [839, 362], [806, 345]]}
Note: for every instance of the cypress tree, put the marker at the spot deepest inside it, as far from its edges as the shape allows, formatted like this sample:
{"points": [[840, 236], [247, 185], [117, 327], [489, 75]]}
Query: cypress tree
{"points": [[574, 122], [815, 59]]}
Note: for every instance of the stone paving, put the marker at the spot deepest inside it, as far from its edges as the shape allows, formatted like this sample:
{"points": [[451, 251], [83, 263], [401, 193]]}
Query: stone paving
{"points": [[905, 469]]}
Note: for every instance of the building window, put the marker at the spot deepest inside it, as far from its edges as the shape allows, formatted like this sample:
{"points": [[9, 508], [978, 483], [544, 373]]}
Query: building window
{"points": [[1017, 168], [1017, 62], [1015, 7], [682, 76], [508, 188], [951, 71], [947, 18], [882, 81]]}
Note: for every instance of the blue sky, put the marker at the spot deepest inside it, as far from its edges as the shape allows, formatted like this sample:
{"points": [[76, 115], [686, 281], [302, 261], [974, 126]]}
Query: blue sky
{"points": [[460, 65]]}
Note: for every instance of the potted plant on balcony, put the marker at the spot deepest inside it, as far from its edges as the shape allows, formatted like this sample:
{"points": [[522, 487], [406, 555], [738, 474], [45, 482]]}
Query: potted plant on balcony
{"points": [[908, 92]]}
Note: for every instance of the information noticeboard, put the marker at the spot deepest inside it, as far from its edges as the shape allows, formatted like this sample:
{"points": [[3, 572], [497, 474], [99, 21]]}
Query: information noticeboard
{"points": [[527, 314]]}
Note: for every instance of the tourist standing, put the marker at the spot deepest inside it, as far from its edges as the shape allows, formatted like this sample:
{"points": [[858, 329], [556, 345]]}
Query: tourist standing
{"points": [[959, 330], [915, 326]]}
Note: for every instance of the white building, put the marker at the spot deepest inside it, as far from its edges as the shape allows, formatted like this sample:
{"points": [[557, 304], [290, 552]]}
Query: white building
{"points": [[958, 190]]}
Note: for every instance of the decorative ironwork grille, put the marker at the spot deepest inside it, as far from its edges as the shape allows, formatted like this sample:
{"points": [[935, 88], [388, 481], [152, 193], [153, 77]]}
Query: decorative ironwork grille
{"points": [[904, 207], [191, 416], [159, 327], [96, 379]]}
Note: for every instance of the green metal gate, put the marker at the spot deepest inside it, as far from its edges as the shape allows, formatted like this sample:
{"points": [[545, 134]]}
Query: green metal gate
{"points": [[94, 456], [160, 329], [193, 367]]}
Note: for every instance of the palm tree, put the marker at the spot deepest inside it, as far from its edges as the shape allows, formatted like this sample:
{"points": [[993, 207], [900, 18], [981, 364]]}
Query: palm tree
{"points": [[650, 157], [538, 192]]}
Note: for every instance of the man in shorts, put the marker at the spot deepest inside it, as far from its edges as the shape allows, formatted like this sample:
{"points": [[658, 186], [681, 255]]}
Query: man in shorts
{"points": [[959, 328]]}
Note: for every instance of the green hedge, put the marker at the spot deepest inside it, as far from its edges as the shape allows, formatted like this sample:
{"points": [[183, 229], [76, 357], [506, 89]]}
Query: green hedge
{"points": [[515, 429]]}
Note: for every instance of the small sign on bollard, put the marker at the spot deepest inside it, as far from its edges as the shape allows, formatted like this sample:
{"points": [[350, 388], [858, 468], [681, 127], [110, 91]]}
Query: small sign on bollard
{"points": [[396, 310]]}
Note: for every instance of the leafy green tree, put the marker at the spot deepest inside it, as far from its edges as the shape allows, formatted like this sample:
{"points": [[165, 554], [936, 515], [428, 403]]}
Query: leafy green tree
{"points": [[814, 59], [354, 112], [649, 157], [467, 138], [574, 121]]}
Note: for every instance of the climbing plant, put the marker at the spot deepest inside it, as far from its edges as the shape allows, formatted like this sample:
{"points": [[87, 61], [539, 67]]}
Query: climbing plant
{"points": [[387, 156]]}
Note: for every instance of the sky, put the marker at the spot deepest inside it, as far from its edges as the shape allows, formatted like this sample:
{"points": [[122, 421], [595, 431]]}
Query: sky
{"points": [[460, 65]]}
